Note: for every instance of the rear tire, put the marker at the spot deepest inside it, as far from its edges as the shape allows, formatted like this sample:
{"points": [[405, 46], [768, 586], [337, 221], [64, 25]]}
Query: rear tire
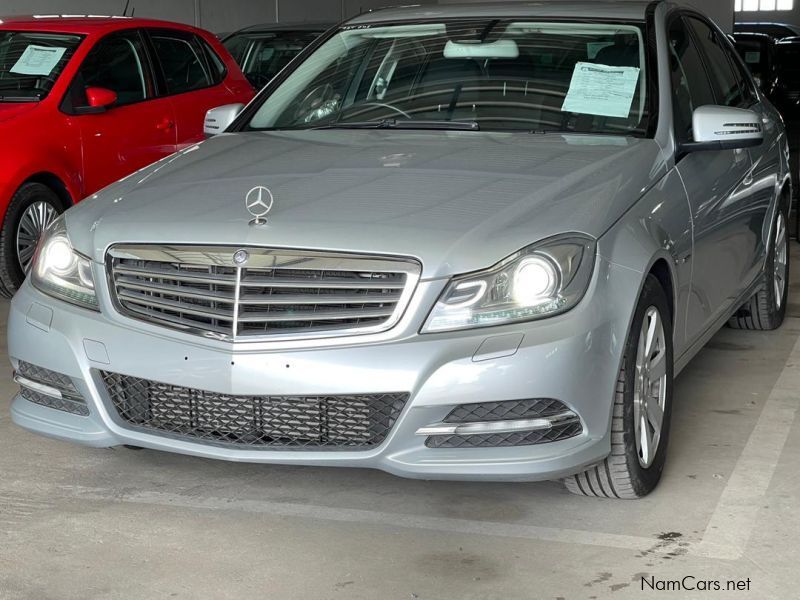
{"points": [[37, 205], [766, 310], [643, 397]]}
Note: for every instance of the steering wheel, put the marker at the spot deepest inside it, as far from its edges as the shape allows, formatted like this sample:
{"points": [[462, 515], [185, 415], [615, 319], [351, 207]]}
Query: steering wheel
{"points": [[313, 100], [389, 106]]}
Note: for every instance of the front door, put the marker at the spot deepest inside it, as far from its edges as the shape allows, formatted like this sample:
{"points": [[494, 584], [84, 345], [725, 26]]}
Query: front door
{"points": [[719, 184], [193, 79], [139, 130]]}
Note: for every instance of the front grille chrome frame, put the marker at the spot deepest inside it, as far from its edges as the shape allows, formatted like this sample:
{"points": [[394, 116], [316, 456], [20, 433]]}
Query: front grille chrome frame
{"points": [[382, 285]]}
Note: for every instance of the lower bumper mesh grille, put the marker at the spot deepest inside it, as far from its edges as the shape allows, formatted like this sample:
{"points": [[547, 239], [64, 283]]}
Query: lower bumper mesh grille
{"points": [[513, 410], [354, 422], [71, 400]]}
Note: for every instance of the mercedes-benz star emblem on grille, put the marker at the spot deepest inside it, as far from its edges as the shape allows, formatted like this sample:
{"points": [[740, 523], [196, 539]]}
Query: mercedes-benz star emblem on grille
{"points": [[241, 257], [259, 202]]}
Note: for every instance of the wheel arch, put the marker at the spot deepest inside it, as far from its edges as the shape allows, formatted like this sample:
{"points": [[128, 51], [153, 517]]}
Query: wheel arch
{"points": [[55, 183]]}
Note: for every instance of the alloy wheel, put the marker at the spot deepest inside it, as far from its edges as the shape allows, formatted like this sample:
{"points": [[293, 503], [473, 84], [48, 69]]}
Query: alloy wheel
{"points": [[34, 221], [650, 387], [779, 264]]}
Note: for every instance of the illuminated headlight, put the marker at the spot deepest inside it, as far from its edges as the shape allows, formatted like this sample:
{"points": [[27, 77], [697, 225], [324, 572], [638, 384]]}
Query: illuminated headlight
{"points": [[541, 281], [60, 271]]}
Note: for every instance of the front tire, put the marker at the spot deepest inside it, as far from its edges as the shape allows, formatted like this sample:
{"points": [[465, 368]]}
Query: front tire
{"points": [[32, 208], [766, 310], [640, 423]]}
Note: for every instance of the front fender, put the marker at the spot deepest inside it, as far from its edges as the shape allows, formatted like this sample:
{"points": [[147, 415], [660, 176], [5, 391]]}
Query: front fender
{"points": [[657, 228]]}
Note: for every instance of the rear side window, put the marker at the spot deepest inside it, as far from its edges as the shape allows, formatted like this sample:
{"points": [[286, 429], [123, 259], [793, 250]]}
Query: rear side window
{"points": [[115, 63], [729, 87], [184, 61]]}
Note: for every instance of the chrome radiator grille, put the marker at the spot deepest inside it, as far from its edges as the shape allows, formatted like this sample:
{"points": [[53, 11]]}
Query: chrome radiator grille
{"points": [[263, 293], [356, 422]]}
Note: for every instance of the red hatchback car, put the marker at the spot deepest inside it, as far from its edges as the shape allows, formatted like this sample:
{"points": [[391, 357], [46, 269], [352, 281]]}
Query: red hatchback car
{"points": [[85, 101]]}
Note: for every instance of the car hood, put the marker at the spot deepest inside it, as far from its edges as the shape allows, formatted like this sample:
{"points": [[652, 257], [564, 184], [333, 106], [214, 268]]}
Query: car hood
{"points": [[11, 110], [457, 201]]}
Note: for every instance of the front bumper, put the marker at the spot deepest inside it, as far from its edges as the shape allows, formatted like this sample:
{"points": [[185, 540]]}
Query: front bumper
{"points": [[573, 358]]}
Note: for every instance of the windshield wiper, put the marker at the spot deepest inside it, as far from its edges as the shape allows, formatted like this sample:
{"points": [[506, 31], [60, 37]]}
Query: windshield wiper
{"points": [[19, 98], [405, 124]]}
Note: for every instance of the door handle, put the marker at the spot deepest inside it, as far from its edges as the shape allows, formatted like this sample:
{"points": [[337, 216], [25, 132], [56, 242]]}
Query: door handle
{"points": [[165, 125]]}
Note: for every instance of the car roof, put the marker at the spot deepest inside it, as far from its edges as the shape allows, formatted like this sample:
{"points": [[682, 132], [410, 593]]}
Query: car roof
{"points": [[279, 27], [83, 24], [600, 9]]}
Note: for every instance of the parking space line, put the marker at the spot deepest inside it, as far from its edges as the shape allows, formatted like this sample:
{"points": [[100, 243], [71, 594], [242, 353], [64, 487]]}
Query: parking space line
{"points": [[734, 517], [377, 518]]}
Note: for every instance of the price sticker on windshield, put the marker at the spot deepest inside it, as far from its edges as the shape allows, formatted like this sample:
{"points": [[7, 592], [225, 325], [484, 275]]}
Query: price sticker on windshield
{"points": [[601, 90], [38, 60]]}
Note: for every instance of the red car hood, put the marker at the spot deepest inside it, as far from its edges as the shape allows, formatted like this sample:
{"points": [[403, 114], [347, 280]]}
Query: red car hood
{"points": [[9, 110]]}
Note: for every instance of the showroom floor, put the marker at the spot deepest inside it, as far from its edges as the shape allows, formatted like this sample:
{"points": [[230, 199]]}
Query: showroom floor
{"points": [[90, 524]]}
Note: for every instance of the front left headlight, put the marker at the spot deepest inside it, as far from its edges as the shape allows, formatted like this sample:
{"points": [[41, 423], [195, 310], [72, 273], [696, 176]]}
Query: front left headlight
{"points": [[60, 271], [541, 281]]}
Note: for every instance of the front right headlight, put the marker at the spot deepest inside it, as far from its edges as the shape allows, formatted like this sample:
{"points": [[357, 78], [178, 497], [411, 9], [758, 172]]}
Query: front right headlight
{"points": [[543, 280], [59, 271]]}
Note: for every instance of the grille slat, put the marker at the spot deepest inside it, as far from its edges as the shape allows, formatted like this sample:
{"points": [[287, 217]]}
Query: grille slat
{"points": [[352, 422], [282, 283], [320, 315], [189, 309], [273, 293], [302, 300], [175, 290], [212, 278]]}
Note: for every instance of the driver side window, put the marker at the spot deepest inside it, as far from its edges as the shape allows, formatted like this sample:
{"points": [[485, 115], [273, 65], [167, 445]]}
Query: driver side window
{"points": [[115, 63], [690, 86]]}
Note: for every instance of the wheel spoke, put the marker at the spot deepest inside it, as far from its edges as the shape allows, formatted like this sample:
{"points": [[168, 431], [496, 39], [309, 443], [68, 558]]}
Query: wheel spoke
{"points": [[655, 414], [658, 366], [645, 439], [652, 332]]}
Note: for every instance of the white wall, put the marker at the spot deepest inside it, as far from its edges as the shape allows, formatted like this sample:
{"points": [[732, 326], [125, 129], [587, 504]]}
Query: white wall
{"points": [[776, 16]]}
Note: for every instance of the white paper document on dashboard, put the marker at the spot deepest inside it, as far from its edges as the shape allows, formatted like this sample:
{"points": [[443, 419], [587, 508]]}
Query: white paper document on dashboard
{"points": [[601, 90], [38, 60]]}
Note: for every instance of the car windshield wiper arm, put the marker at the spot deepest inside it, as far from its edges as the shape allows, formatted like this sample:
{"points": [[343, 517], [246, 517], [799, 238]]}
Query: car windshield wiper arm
{"points": [[19, 98], [405, 124]]}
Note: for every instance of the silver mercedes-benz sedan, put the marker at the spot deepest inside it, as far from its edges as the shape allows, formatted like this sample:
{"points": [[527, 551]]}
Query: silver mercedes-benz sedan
{"points": [[459, 242]]}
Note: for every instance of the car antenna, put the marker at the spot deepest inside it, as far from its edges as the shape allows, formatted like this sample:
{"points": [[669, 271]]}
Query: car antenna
{"points": [[125, 11]]}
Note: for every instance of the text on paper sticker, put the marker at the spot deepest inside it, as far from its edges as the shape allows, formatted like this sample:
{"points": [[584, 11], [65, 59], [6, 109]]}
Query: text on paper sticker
{"points": [[601, 90], [38, 60]]}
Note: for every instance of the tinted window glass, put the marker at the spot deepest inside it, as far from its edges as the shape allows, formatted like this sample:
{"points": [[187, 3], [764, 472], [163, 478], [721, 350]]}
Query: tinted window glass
{"points": [[262, 56], [215, 64], [724, 80], [115, 63], [182, 62], [690, 85]]}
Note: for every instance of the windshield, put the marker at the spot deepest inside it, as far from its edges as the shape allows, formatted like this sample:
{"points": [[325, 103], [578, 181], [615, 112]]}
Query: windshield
{"points": [[263, 55], [487, 75], [31, 61]]}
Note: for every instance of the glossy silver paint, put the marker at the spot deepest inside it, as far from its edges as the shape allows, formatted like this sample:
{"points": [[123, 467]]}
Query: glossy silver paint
{"points": [[455, 202]]}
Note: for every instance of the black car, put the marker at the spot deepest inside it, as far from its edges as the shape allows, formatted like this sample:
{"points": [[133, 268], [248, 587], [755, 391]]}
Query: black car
{"points": [[262, 51], [775, 30], [758, 51]]}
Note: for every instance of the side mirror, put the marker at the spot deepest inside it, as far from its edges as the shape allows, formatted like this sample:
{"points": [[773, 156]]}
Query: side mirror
{"points": [[99, 101], [219, 119], [724, 128]]}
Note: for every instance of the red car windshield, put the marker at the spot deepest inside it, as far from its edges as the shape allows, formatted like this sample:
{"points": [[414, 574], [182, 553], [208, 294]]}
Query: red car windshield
{"points": [[31, 62]]}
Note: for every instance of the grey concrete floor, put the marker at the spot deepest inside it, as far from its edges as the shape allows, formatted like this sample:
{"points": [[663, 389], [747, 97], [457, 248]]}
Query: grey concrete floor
{"points": [[97, 524]]}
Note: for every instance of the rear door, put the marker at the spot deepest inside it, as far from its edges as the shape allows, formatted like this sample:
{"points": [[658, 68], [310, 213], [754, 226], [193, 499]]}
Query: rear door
{"points": [[192, 77], [138, 130], [718, 183]]}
